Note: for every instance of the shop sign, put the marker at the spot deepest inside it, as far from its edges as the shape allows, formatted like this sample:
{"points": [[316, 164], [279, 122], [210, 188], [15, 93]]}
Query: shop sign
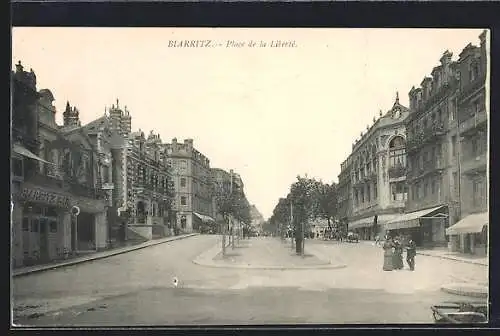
{"points": [[45, 197]]}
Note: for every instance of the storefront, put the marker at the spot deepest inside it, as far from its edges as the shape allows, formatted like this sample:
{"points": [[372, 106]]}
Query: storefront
{"points": [[368, 229], [41, 225], [90, 231], [204, 223], [425, 227], [470, 234]]}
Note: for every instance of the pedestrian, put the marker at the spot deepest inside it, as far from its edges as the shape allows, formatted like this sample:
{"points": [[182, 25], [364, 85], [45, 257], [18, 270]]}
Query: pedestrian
{"points": [[411, 252], [388, 254], [377, 240], [398, 254]]}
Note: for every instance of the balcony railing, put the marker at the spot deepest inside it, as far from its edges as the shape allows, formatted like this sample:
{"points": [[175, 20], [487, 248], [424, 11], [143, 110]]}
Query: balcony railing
{"points": [[397, 171], [472, 86], [52, 175], [473, 122], [425, 136], [429, 167], [474, 164]]}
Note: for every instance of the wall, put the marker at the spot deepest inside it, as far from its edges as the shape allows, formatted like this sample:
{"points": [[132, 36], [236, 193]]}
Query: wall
{"points": [[143, 231], [101, 230]]}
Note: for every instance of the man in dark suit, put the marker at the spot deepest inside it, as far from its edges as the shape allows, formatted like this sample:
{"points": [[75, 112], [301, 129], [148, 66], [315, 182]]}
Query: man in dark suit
{"points": [[411, 252]]}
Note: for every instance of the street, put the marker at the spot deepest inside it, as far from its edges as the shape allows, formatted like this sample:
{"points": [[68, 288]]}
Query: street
{"points": [[136, 288]]}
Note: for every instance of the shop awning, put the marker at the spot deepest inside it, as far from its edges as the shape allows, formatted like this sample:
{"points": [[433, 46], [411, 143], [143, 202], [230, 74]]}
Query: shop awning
{"points": [[473, 223], [204, 218], [19, 149], [361, 223], [411, 219]]}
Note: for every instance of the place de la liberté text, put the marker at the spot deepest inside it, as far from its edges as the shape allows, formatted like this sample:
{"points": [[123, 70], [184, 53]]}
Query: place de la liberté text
{"points": [[231, 44]]}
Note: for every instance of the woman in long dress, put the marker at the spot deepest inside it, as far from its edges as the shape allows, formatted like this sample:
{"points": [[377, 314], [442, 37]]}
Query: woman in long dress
{"points": [[388, 255], [398, 254]]}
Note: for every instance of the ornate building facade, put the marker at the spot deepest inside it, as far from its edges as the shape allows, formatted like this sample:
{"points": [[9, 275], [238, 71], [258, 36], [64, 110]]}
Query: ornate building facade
{"points": [[57, 207], [191, 175], [432, 158], [470, 233], [373, 185]]}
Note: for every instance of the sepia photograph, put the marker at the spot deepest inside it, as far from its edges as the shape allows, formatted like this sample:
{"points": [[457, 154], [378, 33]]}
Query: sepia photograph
{"points": [[249, 176]]}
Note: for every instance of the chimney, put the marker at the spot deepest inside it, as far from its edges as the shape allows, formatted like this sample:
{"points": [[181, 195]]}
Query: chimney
{"points": [[188, 143], [19, 67], [482, 38], [446, 58]]}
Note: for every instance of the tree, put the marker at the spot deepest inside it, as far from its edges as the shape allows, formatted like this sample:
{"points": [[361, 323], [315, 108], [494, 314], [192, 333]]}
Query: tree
{"points": [[327, 202], [303, 195]]}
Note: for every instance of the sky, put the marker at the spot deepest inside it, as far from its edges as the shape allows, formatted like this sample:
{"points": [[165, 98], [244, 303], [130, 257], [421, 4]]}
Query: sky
{"points": [[269, 113]]}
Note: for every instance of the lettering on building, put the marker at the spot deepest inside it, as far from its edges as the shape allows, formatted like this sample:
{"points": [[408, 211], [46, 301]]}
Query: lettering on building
{"points": [[45, 197]]}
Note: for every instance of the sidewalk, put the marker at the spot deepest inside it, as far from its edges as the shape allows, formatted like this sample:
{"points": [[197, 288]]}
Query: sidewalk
{"points": [[444, 253], [264, 253], [461, 257], [95, 256]]}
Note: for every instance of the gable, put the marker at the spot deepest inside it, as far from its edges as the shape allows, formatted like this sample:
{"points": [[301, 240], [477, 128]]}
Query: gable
{"points": [[80, 139]]}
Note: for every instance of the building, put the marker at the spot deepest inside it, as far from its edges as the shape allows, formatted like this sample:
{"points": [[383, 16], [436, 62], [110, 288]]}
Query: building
{"points": [[432, 148], [469, 235], [257, 219], [192, 183], [57, 208], [146, 192], [109, 143], [377, 173], [344, 192]]}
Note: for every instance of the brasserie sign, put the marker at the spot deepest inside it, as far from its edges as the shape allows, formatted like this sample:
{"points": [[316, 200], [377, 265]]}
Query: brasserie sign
{"points": [[35, 195]]}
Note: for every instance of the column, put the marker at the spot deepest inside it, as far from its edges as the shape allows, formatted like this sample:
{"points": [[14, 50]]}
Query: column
{"points": [[66, 232]]}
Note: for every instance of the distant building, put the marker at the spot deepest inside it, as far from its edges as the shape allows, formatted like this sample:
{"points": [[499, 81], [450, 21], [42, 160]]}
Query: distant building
{"points": [[344, 193], [257, 218], [376, 174], [470, 233], [192, 180]]}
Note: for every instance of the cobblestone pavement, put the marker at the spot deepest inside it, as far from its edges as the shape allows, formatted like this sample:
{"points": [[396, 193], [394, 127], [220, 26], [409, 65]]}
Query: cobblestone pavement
{"points": [[136, 289]]}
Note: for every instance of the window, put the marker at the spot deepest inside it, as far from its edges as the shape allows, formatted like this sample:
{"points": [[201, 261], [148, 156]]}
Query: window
{"points": [[183, 182], [455, 181], [474, 146], [17, 167], [375, 195], [368, 194], [34, 225], [426, 186], [53, 226], [433, 186], [183, 200], [454, 145], [26, 224]]}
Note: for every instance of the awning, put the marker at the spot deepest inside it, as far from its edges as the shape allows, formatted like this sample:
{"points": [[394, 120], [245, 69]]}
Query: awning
{"points": [[25, 152], [204, 218], [473, 223], [411, 219], [368, 221], [361, 223]]}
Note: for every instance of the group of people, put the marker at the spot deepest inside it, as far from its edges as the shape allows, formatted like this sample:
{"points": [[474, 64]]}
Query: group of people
{"points": [[393, 253]]}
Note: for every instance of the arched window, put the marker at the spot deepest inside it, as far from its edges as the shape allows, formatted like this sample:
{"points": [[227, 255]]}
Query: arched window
{"points": [[397, 152]]}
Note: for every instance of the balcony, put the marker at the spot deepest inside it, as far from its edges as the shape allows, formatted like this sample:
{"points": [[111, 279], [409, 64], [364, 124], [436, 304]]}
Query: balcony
{"points": [[425, 136], [473, 122], [396, 172], [429, 167], [475, 164]]}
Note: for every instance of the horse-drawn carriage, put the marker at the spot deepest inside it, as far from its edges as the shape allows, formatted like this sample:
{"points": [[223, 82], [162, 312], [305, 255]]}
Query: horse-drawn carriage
{"points": [[460, 312]]}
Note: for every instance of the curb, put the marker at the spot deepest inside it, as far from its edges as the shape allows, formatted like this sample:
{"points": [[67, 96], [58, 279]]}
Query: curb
{"points": [[93, 258], [454, 259], [479, 292], [206, 259]]}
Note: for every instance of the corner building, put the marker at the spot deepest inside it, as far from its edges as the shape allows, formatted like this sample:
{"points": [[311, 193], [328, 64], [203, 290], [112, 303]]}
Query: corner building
{"points": [[377, 175], [192, 181]]}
